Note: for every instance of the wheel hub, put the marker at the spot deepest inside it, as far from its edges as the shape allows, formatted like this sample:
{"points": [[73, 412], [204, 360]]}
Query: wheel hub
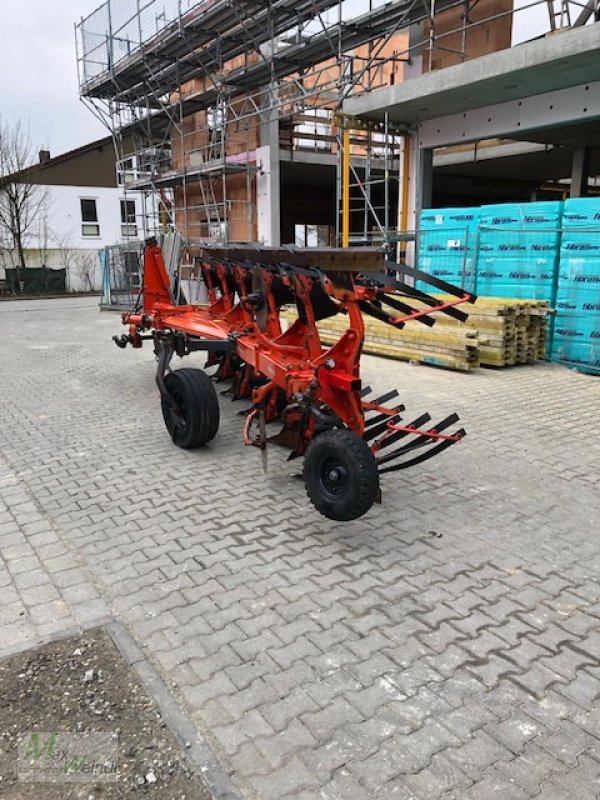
{"points": [[334, 476]]}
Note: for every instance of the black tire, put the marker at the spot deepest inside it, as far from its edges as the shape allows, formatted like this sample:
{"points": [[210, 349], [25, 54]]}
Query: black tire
{"points": [[196, 399], [340, 474]]}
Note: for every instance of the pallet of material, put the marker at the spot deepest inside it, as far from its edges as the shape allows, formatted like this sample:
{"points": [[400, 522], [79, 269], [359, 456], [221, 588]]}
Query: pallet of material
{"points": [[499, 332], [449, 347], [512, 330]]}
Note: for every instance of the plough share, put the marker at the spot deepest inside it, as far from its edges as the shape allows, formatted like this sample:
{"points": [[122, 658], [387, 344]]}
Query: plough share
{"points": [[348, 436]]}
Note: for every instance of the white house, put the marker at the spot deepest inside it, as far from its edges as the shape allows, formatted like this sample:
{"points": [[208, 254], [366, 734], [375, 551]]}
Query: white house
{"points": [[84, 209]]}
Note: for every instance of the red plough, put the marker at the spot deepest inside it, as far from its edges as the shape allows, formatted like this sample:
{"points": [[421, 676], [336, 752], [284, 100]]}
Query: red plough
{"points": [[348, 437]]}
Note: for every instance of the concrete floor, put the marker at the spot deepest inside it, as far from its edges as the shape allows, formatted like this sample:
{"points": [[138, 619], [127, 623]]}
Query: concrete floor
{"points": [[445, 645]]}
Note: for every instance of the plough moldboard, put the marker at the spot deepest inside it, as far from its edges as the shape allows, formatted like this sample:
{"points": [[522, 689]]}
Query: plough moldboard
{"points": [[347, 435]]}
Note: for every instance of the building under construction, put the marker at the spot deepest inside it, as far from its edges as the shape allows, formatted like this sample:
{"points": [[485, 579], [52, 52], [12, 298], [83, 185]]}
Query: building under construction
{"points": [[228, 115]]}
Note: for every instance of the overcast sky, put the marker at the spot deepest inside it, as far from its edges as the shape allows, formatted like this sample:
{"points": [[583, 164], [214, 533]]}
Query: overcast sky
{"points": [[38, 81]]}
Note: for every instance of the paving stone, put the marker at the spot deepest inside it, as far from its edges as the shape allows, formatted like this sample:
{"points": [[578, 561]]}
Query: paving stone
{"points": [[384, 765], [249, 727], [454, 690], [583, 781], [568, 743], [343, 787], [516, 731], [553, 638], [551, 709], [537, 679], [278, 748], [532, 769], [280, 713], [436, 779], [286, 780], [324, 688], [485, 643], [467, 718], [494, 785], [431, 738], [491, 671], [323, 723], [479, 753], [568, 662]]}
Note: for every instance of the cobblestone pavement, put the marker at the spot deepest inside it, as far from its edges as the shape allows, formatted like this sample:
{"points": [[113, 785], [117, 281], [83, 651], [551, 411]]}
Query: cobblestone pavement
{"points": [[445, 645]]}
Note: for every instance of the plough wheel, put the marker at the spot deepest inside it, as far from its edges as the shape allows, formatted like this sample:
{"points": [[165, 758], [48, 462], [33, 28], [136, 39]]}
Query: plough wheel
{"points": [[194, 418], [340, 475]]}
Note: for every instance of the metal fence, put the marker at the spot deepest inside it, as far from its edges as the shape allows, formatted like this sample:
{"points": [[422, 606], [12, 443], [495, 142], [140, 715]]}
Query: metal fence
{"points": [[121, 275]]}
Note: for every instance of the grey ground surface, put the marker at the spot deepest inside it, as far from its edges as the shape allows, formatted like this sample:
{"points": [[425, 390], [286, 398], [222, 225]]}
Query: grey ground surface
{"points": [[445, 645]]}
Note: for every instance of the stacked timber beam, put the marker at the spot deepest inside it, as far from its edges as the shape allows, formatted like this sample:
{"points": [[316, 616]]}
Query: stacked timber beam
{"points": [[443, 346], [499, 332], [511, 331]]}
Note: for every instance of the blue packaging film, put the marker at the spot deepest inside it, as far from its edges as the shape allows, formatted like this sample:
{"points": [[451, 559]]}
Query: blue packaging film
{"points": [[576, 338], [543, 214], [581, 212], [446, 244], [507, 269], [451, 218]]}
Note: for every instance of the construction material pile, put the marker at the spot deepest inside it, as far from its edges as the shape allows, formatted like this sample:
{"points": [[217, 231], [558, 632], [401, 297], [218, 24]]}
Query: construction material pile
{"points": [[454, 346], [499, 332], [577, 329], [511, 331]]}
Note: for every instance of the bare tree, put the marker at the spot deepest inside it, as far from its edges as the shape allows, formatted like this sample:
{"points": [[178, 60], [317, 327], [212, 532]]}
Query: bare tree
{"points": [[67, 254], [86, 270], [21, 197]]}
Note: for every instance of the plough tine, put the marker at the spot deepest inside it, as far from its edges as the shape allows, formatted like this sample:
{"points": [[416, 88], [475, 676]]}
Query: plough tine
{"points": [[425, 277], [433, 451], [368, 308], [405, 309], [397, 435], [373, 433], [451, 311], [420, 441], [380, 417], [365, 391], [383, 399], [388, 284]]}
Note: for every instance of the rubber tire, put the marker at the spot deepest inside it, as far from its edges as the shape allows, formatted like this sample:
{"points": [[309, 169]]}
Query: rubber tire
{"points": [[196, 393], [361, 482]]}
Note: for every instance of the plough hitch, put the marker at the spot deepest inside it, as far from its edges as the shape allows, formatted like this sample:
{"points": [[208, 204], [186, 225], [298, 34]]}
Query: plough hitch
{"points": [[348, 436]]}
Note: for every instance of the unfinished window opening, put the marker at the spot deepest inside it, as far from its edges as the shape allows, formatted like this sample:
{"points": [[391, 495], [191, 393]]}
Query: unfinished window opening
{"points": [[313, 235]]}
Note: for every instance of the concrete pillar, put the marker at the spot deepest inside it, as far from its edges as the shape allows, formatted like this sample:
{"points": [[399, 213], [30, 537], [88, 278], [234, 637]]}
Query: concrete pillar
{"points": [[580, 171], [420, 184], [268, 183], [424, 179]]}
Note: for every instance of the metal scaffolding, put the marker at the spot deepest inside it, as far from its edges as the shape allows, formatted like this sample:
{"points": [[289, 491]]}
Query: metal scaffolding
{"points": [[186, 88]]}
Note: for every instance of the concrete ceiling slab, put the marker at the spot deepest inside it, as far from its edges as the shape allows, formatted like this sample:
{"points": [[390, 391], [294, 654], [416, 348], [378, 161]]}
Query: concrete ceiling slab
{"points": [[565, 59]]}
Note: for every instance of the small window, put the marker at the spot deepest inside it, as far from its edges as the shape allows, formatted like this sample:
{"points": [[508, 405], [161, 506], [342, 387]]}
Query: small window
{"points": [[128, 222], [89, 218]]}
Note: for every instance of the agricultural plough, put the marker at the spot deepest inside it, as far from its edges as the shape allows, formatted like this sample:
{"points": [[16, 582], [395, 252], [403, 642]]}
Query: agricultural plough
{"points": [[347, 435]]}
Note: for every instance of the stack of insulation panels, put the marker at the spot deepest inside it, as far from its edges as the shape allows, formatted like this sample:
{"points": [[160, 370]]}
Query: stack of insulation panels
{"points": [[517, 250], [576, 340], [446, 244]]}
